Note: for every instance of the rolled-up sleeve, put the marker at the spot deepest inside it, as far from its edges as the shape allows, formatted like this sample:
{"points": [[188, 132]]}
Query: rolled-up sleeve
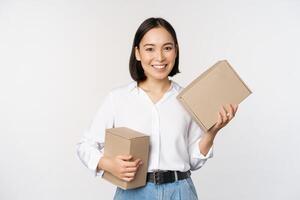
{"points": [[197, 159], [90, 148]]}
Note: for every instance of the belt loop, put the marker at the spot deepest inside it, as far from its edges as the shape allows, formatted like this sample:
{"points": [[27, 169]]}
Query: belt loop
{"points": [[155, 176], [176, 176]]}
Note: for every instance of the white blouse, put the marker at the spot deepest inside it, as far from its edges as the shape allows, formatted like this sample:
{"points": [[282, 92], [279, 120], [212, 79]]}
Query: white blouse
{"points": [[174, 135]]}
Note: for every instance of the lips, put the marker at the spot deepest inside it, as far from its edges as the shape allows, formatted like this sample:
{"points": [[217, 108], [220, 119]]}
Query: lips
{"points": [[159, 66]]}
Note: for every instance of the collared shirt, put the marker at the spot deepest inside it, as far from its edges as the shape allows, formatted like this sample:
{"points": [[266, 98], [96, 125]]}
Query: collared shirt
{"points": [[174, 135]]}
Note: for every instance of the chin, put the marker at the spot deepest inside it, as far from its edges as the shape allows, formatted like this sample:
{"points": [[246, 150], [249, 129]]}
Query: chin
{"points": [[160, 77]]}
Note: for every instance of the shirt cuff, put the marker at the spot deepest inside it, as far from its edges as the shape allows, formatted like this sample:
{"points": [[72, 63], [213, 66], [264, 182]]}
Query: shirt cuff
{"points": [[198, 154], [99, 173], [94, 165]]}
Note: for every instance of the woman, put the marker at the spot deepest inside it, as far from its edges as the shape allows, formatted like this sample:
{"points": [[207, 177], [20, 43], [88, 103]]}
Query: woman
{"points": [[149, 105]]}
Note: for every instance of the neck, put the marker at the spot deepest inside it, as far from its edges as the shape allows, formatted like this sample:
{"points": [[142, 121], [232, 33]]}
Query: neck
{"points": [[155, 86]]}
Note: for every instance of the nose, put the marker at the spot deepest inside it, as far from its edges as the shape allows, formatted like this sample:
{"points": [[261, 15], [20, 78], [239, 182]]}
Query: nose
{"points": [[160, 55]]}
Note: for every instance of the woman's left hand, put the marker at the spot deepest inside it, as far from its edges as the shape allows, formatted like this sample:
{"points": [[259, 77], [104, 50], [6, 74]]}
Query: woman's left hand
{"points": [[225, 115]]}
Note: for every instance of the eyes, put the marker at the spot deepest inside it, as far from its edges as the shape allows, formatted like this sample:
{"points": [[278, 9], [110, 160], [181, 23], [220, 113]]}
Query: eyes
{"points": [[166, 48]]}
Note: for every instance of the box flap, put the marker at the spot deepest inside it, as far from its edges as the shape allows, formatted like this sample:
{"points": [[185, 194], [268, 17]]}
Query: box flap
{"points": [[126, 133]]}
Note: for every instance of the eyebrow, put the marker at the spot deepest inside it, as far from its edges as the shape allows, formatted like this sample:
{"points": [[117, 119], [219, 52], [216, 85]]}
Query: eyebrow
{"points": [[168, 43]]}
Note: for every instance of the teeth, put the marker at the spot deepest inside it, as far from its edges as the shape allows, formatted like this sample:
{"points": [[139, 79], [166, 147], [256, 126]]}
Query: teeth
{"points": [[159, 66]]}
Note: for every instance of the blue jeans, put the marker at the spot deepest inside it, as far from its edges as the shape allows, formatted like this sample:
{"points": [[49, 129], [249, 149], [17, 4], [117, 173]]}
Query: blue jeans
{"points": [[179, 190]]}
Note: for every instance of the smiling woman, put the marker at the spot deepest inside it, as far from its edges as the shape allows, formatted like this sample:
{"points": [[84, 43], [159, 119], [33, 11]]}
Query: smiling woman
{"points": [[154, 57], [155, 45], [157, 54], [149, 105]]}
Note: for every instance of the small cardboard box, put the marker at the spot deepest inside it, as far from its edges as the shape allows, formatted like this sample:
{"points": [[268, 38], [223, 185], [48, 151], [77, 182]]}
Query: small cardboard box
{"points": [[217, 86], [125, 141]]}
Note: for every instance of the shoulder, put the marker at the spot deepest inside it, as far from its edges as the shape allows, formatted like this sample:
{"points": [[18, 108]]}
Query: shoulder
{"points": [[177, 87], [124, 89]]}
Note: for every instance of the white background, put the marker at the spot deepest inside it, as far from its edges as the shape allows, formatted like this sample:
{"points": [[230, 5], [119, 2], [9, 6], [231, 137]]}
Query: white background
{"points": [[58, 59]]}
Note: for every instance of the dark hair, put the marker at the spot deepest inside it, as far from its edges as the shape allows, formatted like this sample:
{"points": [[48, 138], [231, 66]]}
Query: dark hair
{"points": [[135, 67]]}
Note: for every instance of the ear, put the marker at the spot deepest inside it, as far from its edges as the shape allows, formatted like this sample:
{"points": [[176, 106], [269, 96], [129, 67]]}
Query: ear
{"points": [[137, 54]]}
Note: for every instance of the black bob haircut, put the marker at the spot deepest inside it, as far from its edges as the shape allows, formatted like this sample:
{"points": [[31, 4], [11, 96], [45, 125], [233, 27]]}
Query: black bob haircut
{"points": [[135, 67]]}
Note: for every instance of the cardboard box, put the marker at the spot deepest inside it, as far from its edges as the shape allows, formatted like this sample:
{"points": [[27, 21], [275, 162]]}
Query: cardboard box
{"points": [[125, 141], [217, 86]]}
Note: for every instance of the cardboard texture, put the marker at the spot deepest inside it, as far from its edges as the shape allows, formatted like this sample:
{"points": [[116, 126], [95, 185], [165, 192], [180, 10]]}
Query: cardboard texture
{"points": [[120, 141], [217, 86]]}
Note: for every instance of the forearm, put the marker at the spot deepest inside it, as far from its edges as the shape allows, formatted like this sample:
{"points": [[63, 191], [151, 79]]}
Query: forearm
{"points": [[103, 164], [206, 142]]}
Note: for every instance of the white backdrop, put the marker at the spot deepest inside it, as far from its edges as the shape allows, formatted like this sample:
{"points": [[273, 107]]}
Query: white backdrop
{"points": [[58, 59]]}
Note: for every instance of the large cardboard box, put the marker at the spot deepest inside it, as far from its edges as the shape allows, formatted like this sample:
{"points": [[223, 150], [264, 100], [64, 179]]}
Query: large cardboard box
{"points": [[125, 141], [217, 86]]}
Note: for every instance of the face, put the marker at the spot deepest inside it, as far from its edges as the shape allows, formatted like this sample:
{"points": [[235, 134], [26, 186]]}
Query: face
{"points": [[157, 53]]}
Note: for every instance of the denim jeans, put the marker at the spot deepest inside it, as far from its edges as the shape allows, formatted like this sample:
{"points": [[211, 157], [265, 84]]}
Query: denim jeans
{"points": [[179, 190]]}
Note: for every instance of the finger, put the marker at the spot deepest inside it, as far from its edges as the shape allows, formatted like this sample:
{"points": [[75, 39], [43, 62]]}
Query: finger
{"points": [[219, 123], [231, 112], [231, 109], [125, 157], [236, 106], [224, 115], [129, 175], [132, 163], [228, 111], [220, 119], [138, 162], [127, 179], [130, 169]]}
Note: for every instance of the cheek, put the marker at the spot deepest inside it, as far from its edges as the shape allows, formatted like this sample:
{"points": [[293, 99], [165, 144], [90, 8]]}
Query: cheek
{"points": [[146, 59], [171, 55]]}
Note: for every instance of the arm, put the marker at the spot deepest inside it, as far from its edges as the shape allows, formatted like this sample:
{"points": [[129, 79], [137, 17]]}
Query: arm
{"points": [[224, 117], [90, 148]]}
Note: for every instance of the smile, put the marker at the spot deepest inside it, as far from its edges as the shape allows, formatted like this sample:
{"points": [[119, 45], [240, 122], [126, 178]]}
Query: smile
{"points": [[159, 66]]}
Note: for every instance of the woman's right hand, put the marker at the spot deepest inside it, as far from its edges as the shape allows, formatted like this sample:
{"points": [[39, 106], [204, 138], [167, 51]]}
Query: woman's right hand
{"points": [[121, 166]]}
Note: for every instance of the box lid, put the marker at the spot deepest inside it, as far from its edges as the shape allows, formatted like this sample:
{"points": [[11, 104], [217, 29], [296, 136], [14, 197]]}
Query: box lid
{"points": [[126, 133]]}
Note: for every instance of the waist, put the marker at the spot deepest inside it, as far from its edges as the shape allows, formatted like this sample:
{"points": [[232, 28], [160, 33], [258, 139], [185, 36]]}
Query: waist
{"points": [[161, 177]]}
